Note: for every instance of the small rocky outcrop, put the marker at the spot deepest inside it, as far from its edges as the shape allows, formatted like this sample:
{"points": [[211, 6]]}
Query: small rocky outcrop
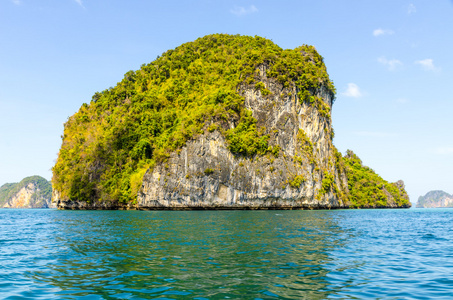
{"points": [[31, 192], [435, 199]]}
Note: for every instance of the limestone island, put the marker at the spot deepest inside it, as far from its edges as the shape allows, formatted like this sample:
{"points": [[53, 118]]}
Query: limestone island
{"points": [[224, 122], [435, 199], [30, 192]]}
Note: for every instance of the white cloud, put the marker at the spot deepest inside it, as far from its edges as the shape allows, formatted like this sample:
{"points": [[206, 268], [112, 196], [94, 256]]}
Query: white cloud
{"points": [[380, 31], [444, 150], [411, 9], [17, 2], [375, 134], [79, 2], [391, 64], [353, 91], [427, 64], [242, 11]]}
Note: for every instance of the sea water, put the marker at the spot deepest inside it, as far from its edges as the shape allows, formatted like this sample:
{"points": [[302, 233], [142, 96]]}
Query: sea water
{"points": [[342, 254]]}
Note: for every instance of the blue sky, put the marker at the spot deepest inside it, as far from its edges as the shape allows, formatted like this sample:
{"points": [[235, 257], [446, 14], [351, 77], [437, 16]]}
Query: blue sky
{"points": [[390, 61]]}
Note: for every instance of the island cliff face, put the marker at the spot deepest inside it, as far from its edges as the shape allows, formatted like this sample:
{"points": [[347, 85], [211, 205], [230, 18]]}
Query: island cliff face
{"points": [[435, 199], [260, 139], [31, 192], [206, 174]]}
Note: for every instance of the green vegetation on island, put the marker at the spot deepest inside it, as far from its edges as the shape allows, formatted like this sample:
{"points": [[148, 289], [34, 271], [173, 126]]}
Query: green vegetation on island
{"points": [[110, 143], [43, 190], [5, 192], [368, 189], [435, 199], [126, 130]]}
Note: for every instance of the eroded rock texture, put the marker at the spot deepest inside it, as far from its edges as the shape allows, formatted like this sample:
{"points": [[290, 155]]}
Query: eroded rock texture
{"points": [[205, 174]]}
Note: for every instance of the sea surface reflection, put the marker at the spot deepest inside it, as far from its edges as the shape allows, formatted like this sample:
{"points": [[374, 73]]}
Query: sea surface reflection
{"points": [[50, 254]]}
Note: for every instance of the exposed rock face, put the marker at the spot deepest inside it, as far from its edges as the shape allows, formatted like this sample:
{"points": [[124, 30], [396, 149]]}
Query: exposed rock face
{"points": [[31, 192], [82, 205], [435, 199], [400, 185], [391, 203], [205, 174]]}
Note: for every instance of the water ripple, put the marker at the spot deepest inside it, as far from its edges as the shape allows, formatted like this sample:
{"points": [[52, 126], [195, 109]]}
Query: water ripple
{"points": [[353, 254]]}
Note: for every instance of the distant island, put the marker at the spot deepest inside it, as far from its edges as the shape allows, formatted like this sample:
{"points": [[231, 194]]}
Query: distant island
{"points": [[224, 122], [435, 199], [30, 192]]}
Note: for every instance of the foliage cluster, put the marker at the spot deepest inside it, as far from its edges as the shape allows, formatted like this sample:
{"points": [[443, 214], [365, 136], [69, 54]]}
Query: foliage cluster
{"points": [[327, 183], [245, 138], [209, 171], [306, 145], [262, 88], [368, 189], [297, 181], [5, 192], [110, 143], [341, 191], [305, 67]]}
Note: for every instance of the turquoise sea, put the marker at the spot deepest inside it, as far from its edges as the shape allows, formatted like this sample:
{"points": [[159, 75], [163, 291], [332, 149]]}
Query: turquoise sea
{"points": [[339, 254]]}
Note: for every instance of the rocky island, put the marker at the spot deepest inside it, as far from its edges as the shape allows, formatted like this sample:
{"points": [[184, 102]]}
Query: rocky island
{"points": [[435, 199], [224, 122], [30, 192]]}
